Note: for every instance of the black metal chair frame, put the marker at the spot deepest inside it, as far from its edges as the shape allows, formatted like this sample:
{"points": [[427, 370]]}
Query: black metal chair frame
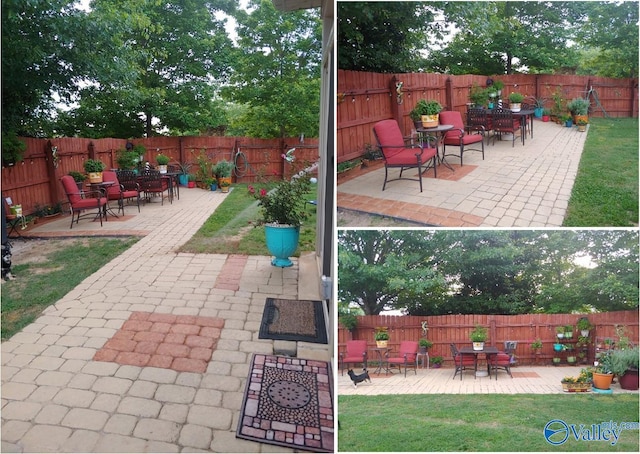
{"points": [[420, 165], [461, 367], [478, 120], [504, 122]]}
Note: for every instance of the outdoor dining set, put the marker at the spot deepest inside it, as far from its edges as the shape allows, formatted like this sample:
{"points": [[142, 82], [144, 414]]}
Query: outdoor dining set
{"points": [[407, 356], [121, 186], [428, 147]]}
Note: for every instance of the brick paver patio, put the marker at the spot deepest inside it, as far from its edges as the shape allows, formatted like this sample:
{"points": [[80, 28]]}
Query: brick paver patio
{"points": [[520, 186], [63, 390]]}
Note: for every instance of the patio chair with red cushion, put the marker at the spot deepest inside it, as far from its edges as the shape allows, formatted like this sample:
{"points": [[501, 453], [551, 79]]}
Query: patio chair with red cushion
{"points": [[500, 361], [118, 191], [84, 200], [505, 123], [458, 136], [462, 362], [407, 356], [400, 153], [356, 352]]}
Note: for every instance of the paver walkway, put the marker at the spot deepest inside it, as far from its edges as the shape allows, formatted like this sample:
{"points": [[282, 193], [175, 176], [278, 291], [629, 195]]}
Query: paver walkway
{"points": [[526, 380], [56, 397], [520, 186]]}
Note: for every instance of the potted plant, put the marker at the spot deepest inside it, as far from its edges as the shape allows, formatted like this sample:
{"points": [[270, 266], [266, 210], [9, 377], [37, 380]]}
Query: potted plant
{"points": [[429, 111], [163, 161], [560, 332], [94, 167], [498, 85], [191, 180], [224, 185], [79, 178], [436, 362], [608, 343], [545, 115], [127, 159], [624, 364], [211, 183], [538, 107], [381, 337], [417, 112], [185, 168], [602, 373], [283, 211], [568, 331], [515, 101], [582, 124], [584, 325], [12, 148], [492, 93], [478, 336], [222, 171], [579, 108], [424, 344], [556, 360], [478, 96], [579, 384], [567, 120]]}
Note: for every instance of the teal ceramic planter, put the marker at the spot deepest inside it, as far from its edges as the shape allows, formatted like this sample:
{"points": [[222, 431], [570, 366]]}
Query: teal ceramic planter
{"points": [[282, 241], [183, 179]]}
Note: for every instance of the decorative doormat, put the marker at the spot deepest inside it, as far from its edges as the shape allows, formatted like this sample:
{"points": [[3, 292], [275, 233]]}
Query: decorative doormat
{"points": [[444, 173], [288, 402], [296, 320]]}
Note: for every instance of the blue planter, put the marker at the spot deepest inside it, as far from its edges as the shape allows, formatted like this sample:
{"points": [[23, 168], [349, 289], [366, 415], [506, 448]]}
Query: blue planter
{"points": [[214, 186], [282, 241], [537, 112], [183, 179], [569, 123]]}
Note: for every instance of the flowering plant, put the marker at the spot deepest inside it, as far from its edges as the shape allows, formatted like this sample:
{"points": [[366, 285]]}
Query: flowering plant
{"points": [[584, 377], [285, 203]]}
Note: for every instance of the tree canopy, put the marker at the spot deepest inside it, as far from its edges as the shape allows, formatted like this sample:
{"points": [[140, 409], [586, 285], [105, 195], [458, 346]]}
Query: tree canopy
{"points": [[599, 38], [128, 68], [488, 272]]}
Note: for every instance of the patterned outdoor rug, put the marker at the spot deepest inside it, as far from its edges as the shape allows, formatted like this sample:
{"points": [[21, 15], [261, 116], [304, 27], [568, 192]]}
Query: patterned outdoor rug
{"points": [[525, 375], [288, 402], [444, 173], [297, 320]]}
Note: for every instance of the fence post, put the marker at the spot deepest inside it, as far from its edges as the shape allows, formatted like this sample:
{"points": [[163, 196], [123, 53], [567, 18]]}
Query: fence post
{"points": [[393, 100], [51, 162], [448, 93]]}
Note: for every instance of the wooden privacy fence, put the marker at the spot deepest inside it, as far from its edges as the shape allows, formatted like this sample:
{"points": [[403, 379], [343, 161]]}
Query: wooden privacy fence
{"points": [[446, 329], [366, 98], [36, 180]]}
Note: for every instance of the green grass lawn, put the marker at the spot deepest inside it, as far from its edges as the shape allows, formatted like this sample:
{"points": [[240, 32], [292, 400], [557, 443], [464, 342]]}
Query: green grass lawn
{"points": [[428, 422], [605, 193], [231, 228], [40, 284]]}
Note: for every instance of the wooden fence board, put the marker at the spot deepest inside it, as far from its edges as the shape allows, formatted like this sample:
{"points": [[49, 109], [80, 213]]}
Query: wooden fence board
{"points": [[35, 180], [525, 328]]}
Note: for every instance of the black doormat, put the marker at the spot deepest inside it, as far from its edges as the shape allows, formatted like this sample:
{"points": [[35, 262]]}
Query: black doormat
{"points": [[288, 402], [296, 320]]}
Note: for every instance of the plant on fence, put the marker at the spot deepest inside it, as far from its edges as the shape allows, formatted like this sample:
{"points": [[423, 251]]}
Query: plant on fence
{"points": [[127, 159], [536, 345]]}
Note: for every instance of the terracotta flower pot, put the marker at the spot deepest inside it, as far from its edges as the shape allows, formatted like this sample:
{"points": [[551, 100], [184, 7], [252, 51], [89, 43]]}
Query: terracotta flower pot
{"points": [[602, 381]]}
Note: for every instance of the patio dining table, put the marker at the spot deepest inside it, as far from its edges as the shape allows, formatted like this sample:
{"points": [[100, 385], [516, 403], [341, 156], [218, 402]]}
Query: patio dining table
{"points": [[488, 351]]}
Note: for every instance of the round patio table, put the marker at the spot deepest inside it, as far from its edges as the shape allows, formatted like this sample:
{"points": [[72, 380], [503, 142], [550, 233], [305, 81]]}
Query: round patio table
{"points": [[439, 132]]}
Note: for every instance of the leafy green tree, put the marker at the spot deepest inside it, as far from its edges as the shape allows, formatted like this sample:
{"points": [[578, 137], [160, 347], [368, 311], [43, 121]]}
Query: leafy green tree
{"points": [[383, 37], [277, 71], [610, 39], [156, 67], [488, 272], [499, 37], [43, 55]]}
